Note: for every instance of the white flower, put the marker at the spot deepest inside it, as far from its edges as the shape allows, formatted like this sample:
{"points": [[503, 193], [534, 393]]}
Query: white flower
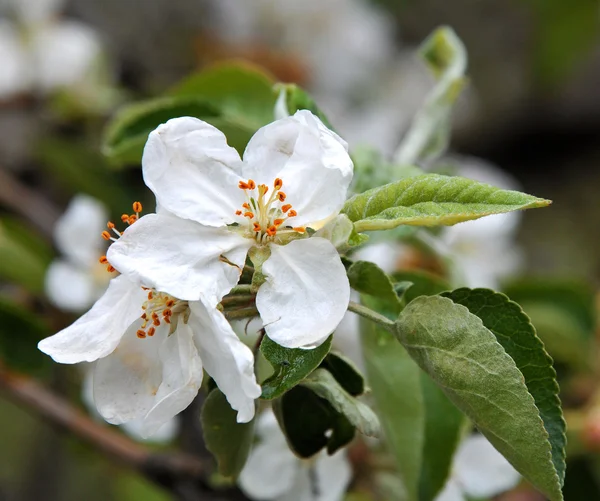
{"points": [[273, 472], [294, 175], [478, 471], [77, 279], [150, 349], [40, 53]]}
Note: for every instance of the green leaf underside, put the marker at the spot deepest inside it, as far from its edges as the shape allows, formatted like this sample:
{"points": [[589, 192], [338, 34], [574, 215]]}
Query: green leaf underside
{"points": [[368, 278], [310, 423], [228, 440], [345, 372], [443, 427], [394, 379], [323, 384], [514, 331], [291, 365], [432, 200], [464, 358]]}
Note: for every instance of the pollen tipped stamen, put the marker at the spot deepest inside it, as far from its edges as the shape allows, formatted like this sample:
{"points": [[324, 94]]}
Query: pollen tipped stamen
{"points": [[256, 227], [141, 334], [103, 260], [151, 331], [249, 215], [299, 229], [281, 196], [272, 231], [238, 212], [278, 184], [286, 207], [137, 207], [125, 218], [110, 268], [292, 213]]}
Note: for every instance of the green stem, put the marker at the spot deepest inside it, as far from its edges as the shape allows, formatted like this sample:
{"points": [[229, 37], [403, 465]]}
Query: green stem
{"points": [[241, 289], [372, 315], [241, 313], [244, 299]]}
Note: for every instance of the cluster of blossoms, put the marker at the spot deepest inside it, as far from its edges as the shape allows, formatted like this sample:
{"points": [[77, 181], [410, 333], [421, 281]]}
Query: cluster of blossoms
{"points": [[160, 322]]}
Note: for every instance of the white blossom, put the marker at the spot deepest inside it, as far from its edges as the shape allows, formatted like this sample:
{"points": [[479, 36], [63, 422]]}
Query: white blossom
{"points": [[76, 279], [478, 471], [273, 472], [294, 175]]}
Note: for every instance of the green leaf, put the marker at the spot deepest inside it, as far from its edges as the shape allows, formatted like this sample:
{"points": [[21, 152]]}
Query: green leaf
{"points": [[423, 282], [429, 133], [394, 379], [443, 428], [432, 200], [368, 278], [241, 91], [228, 440], [464, 358], [514, 331], [24, 257], [291, 365], [127, 133], [20, 332], [340, 232], [345, 372], [310, 423], [361, 416], [298, 99]]}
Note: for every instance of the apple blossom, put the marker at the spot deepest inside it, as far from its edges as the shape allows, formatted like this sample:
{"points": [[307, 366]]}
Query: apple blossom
{"points": [[216, 209]]}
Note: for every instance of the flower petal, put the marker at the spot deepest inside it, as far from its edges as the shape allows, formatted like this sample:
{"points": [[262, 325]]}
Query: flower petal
{"points": [[481, 470], [126, 382], [164, 435], [98, 332], [77, 232], [193, 172], [451, 492], [68, 287], [333, 475], [228, 361], [312, 161], [181, 378], [271, 468], [306, 293], [180, 257]]}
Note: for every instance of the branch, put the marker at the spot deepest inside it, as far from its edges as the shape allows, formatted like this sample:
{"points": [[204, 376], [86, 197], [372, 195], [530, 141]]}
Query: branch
{"points": [[175, 471]]}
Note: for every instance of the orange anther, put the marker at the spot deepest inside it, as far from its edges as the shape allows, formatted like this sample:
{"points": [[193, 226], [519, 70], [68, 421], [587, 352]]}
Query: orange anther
{"points": [[103, 260], [144, 316], [286, 207], [292, 213], [243, 186], [124, 217], [150, 296], [106, 235], [256, 227], [156, 322], [137, 207], [248, 214], [154, 315], [299, 229], [168, 319], [170, 303], [151, 331], [246, 205], [167, 312], [141, 334], [238, 212], [251, 184], [132, 219], [282, 196], [278, 184], [110, 225], [278, 222], [110, 269], [272, 231]]}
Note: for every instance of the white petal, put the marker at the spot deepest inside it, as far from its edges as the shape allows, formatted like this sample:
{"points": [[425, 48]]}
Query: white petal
{"points": [[15, 76], [451, 492], [126, 382], [77, 232], [164, 435], [228, 361], [181, 378], [64, 53], [180, 257], [481, 470], [306, 293], [311, 160], [69, 288], [333, 476], [193, 172], [98, 332], [269, 472]]}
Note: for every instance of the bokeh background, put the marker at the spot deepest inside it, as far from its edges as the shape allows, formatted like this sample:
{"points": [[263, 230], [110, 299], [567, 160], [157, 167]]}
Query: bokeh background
{"points": [[532, 107]]}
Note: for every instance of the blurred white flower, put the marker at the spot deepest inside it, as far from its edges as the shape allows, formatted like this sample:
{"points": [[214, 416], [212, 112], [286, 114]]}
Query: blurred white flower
{"points": [[76, 279], [478, 471], [273, 472], [40, 53]]}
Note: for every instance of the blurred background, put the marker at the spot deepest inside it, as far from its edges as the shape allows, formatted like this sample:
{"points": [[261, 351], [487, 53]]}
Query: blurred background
{"points": [[531, 108]]}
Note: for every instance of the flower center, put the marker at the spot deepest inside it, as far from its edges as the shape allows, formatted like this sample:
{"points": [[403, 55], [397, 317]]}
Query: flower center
{"points": [[266, 215], [159, 308], [106, 235]]}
